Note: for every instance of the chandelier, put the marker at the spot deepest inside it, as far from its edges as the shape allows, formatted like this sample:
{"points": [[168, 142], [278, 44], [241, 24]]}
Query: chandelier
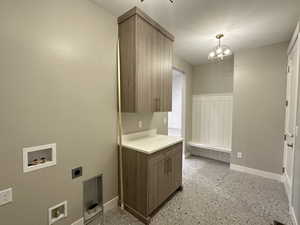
{"points": [[220, 51]]}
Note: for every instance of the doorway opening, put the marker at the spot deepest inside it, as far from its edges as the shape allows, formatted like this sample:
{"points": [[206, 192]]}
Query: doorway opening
{"points": [[176, 118]]}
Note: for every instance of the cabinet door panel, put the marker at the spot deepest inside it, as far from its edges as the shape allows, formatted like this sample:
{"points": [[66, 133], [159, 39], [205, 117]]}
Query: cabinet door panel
{"points": [[176, 169], [158, 69], [166, 76], [145, 42], [162, 79], [163, 179], [164, 175], [155, 169], [127, 65], [158, 191]]}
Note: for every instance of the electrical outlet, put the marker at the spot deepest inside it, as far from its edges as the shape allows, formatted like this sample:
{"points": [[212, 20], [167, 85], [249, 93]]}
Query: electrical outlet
{"points": [[58, 212], [77, 172], [239, 155], [140, 124], [5, 196]]}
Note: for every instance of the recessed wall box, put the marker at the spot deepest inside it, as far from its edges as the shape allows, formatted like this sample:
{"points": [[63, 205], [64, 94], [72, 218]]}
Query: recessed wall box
{"points": [[39, 157], [93, 200], [58, 212]]}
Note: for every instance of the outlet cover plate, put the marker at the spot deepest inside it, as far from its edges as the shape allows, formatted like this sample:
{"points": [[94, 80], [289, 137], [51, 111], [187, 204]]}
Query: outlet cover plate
{"points": [[63, 209], [5, 196], [239, 155]]}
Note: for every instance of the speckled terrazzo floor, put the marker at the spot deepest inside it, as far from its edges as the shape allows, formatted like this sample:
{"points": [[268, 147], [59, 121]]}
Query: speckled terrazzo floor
{"points": [[215, 195]]}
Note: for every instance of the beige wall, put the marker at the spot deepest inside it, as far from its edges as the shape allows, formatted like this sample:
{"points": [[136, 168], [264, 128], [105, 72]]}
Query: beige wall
{"points": [[213, 78], [258, 113], [149, 120], [57, 84]]}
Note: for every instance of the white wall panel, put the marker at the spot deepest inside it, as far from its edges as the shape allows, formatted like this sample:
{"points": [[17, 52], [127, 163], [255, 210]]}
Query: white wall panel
{"points": [[212, 120]]}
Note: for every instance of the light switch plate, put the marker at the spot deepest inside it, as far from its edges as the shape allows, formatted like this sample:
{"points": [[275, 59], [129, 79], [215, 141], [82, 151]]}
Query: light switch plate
{"points": [[5, 196], [140, 124], [239, 155]]}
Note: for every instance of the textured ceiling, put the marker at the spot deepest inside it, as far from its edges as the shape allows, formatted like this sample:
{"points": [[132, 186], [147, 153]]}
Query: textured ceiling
{"points": [[245, 23]]}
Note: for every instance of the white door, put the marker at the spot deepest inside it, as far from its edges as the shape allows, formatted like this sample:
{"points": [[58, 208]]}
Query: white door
{"points": [[290, 117]]}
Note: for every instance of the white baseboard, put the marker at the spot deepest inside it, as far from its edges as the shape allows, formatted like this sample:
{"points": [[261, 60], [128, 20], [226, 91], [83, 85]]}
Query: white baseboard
{"points": [[187, 154], [107, 206], [112, 204], [294, 218], [287, 186], [79, 222], [265, 174]]}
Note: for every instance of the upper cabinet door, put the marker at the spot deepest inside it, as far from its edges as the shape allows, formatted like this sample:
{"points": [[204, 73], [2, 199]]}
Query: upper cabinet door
{"points": [[145, 56], [166, 75], [127, 43], [146, 53]]}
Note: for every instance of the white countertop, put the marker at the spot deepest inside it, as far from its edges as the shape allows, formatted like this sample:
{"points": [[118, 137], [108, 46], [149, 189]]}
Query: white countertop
{"points": [[149, 141]]}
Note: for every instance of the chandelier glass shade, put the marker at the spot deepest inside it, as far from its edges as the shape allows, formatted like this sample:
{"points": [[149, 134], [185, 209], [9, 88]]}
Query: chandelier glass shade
{"points": [[220, 51]]}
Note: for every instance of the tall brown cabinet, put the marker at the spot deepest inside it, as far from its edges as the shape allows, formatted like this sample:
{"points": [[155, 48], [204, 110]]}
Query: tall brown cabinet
{"points": [[146, 53]]}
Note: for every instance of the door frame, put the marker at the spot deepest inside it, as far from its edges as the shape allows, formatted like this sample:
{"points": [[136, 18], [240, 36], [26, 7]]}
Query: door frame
{"points": [[183, 106], [294, 43]]}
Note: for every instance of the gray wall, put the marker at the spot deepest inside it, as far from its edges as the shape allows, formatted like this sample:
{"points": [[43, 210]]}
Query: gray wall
{"points": [[259, 112], [213, 78], [57, 84]]}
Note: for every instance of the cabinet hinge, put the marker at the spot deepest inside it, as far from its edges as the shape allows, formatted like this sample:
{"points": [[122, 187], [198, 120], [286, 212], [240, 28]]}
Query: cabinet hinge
{"points": [[283, 169], [288, 69], [286, 103], [284, 137]]}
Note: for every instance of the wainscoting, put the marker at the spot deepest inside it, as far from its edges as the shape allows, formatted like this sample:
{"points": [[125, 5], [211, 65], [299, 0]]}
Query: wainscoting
{"points": [[210, 154], [212, 126], [212, 120]]}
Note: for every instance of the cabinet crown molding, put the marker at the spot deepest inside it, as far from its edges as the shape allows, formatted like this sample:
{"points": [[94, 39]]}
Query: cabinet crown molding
{"points": [[137, 11]]}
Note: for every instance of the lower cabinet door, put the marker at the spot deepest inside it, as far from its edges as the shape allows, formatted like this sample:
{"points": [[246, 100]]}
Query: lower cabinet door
{"points": [[176, 169], [156, 170], [164, 181], [164, 176]]}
